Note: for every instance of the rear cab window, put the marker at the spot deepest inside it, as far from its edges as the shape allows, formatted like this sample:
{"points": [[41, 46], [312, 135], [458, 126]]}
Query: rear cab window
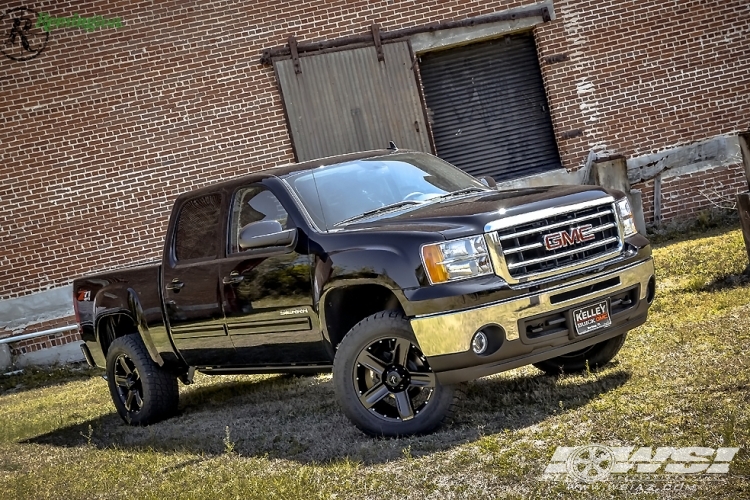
{"points": [[198, 228]]}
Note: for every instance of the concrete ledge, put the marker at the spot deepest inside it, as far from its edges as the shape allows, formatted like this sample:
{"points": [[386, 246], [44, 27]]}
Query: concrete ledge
{"points": [[718, 151], [58, 355], [49, 305], [455, 37]]}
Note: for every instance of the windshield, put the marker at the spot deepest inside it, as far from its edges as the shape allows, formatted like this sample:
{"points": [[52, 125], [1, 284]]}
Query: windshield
{"points": [[376, 187]]}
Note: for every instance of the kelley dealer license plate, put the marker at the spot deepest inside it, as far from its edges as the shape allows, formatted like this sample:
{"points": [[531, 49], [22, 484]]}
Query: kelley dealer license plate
{"points": [[593, 317]]}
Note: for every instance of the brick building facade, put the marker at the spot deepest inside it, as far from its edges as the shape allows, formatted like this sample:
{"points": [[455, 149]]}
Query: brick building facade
{"points": [[119, 106]]}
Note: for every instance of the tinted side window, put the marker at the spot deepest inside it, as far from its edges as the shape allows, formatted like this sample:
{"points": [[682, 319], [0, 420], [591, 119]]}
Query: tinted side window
{"points": [[252, 204], [197, 228]]}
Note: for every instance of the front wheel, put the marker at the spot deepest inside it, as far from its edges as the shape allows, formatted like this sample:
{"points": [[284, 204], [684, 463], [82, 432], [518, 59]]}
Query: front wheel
{"points": [[596, 356], [383, 382], [142, 391]]}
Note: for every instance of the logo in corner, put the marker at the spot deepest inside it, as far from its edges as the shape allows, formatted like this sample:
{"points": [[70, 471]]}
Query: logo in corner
{"points": [[590, 463], [595, 463], [22, 37]]}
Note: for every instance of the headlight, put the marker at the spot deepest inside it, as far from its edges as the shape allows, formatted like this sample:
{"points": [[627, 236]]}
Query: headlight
{"points": [[626, 217], [456, 259]]}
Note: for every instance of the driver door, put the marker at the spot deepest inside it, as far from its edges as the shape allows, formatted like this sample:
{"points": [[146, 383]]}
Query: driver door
{"points": [[267, 291]]}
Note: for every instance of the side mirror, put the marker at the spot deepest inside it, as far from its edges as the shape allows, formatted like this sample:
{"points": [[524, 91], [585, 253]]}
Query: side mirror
{"points": [[266, 233], [488, 181]]}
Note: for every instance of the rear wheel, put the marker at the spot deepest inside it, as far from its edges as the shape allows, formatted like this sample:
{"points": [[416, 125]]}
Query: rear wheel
{"points": [[384, 383], [142, 391], [596, 355]]}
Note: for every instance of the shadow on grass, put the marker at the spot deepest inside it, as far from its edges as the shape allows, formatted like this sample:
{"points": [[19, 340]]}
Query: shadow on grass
{"points": [[298, 419], [728, 281], [36, 378]]}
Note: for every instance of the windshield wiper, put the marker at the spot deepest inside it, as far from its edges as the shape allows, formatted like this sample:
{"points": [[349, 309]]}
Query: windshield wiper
{"points": [[461, 191], [386, 208]]}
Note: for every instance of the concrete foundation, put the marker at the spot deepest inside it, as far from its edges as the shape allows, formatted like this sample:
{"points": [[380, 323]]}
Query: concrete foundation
{"points": [[58, 355], [5, 359], [49, 305], [718, 151]]}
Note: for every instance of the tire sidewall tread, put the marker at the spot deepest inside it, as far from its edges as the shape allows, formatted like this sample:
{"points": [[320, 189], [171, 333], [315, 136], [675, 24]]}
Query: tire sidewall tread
{"points": [[160, 389], [382, 325]]}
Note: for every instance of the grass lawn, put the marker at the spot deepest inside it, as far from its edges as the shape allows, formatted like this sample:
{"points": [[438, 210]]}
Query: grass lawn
{"points": [[682, 379]]}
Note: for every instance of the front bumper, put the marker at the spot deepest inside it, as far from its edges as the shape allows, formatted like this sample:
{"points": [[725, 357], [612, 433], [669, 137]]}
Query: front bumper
{"points": [[446, 338]]}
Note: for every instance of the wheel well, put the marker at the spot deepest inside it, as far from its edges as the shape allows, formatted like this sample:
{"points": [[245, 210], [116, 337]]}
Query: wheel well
{"points": [[114, 326], [347, 306]]}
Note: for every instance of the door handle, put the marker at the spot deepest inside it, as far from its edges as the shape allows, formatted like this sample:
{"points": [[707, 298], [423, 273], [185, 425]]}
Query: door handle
{"points": [[233, 278], [176, 285]]}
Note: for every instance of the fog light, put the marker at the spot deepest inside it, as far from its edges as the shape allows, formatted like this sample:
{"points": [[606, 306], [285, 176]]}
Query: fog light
{"points": [[479, 342]]}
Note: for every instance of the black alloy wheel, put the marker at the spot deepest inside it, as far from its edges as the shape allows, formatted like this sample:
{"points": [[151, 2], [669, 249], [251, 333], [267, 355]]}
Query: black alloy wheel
{"points": [[142, 391], [393, 379], [129, 385], [384, 383]]}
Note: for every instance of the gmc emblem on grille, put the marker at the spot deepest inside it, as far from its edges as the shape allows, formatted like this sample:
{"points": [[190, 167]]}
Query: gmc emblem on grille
{"points": [[561, 239]]}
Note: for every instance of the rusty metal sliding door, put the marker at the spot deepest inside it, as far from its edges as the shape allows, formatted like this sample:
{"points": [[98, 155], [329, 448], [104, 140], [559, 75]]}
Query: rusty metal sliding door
{"points": [[488, 108]]}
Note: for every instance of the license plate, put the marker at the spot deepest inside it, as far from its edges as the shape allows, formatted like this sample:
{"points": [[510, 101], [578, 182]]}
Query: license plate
{"points": [[592, 317]]}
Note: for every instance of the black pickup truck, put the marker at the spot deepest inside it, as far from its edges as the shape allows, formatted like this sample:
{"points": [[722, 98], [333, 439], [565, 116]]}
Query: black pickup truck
{"points": [[397, 271]]}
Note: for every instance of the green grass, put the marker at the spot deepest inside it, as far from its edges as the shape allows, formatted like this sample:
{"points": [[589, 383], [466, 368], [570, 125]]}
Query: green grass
{"points": [[682, 379]]}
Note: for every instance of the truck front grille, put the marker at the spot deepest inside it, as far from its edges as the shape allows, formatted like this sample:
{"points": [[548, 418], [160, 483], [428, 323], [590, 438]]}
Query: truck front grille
{"points": [[556, 243]]}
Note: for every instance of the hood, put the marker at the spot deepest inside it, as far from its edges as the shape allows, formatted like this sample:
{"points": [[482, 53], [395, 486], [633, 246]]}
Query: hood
{"points": [[465, 215]]}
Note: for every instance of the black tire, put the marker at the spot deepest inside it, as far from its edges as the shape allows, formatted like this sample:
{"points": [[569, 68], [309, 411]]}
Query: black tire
{"points": [[379, 356], [142, 391], [597, 356]]}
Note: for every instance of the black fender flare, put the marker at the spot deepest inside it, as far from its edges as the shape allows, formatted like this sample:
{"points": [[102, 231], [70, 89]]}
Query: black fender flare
{"points": [[116, 300]]}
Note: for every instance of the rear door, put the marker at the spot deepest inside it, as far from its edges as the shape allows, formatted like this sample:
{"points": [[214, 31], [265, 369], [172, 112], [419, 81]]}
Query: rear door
{"points": [[267, 292], [190, 277]]}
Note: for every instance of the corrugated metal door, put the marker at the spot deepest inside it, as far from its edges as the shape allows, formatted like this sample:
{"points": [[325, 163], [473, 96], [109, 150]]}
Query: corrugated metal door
{"points": [[348, 101], [488, 109]]}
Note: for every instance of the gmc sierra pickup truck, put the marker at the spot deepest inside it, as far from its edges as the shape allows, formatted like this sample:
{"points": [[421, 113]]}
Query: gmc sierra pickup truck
{"points": [[395, 270]]}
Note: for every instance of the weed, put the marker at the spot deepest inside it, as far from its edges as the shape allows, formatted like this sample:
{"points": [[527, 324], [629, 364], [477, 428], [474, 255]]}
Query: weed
{"points": [[228, 443], [88, 436]]}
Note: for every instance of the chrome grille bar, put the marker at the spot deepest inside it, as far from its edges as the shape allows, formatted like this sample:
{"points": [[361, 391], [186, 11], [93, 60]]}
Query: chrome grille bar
{"points": [[596, 244], [517, 243], [597, 229], [555, 225]]}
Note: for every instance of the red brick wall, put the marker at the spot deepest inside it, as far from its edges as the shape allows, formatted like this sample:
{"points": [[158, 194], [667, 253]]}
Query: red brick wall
{"points": [[643, 76], [103, 129], [35, 344], [38, 343]]}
